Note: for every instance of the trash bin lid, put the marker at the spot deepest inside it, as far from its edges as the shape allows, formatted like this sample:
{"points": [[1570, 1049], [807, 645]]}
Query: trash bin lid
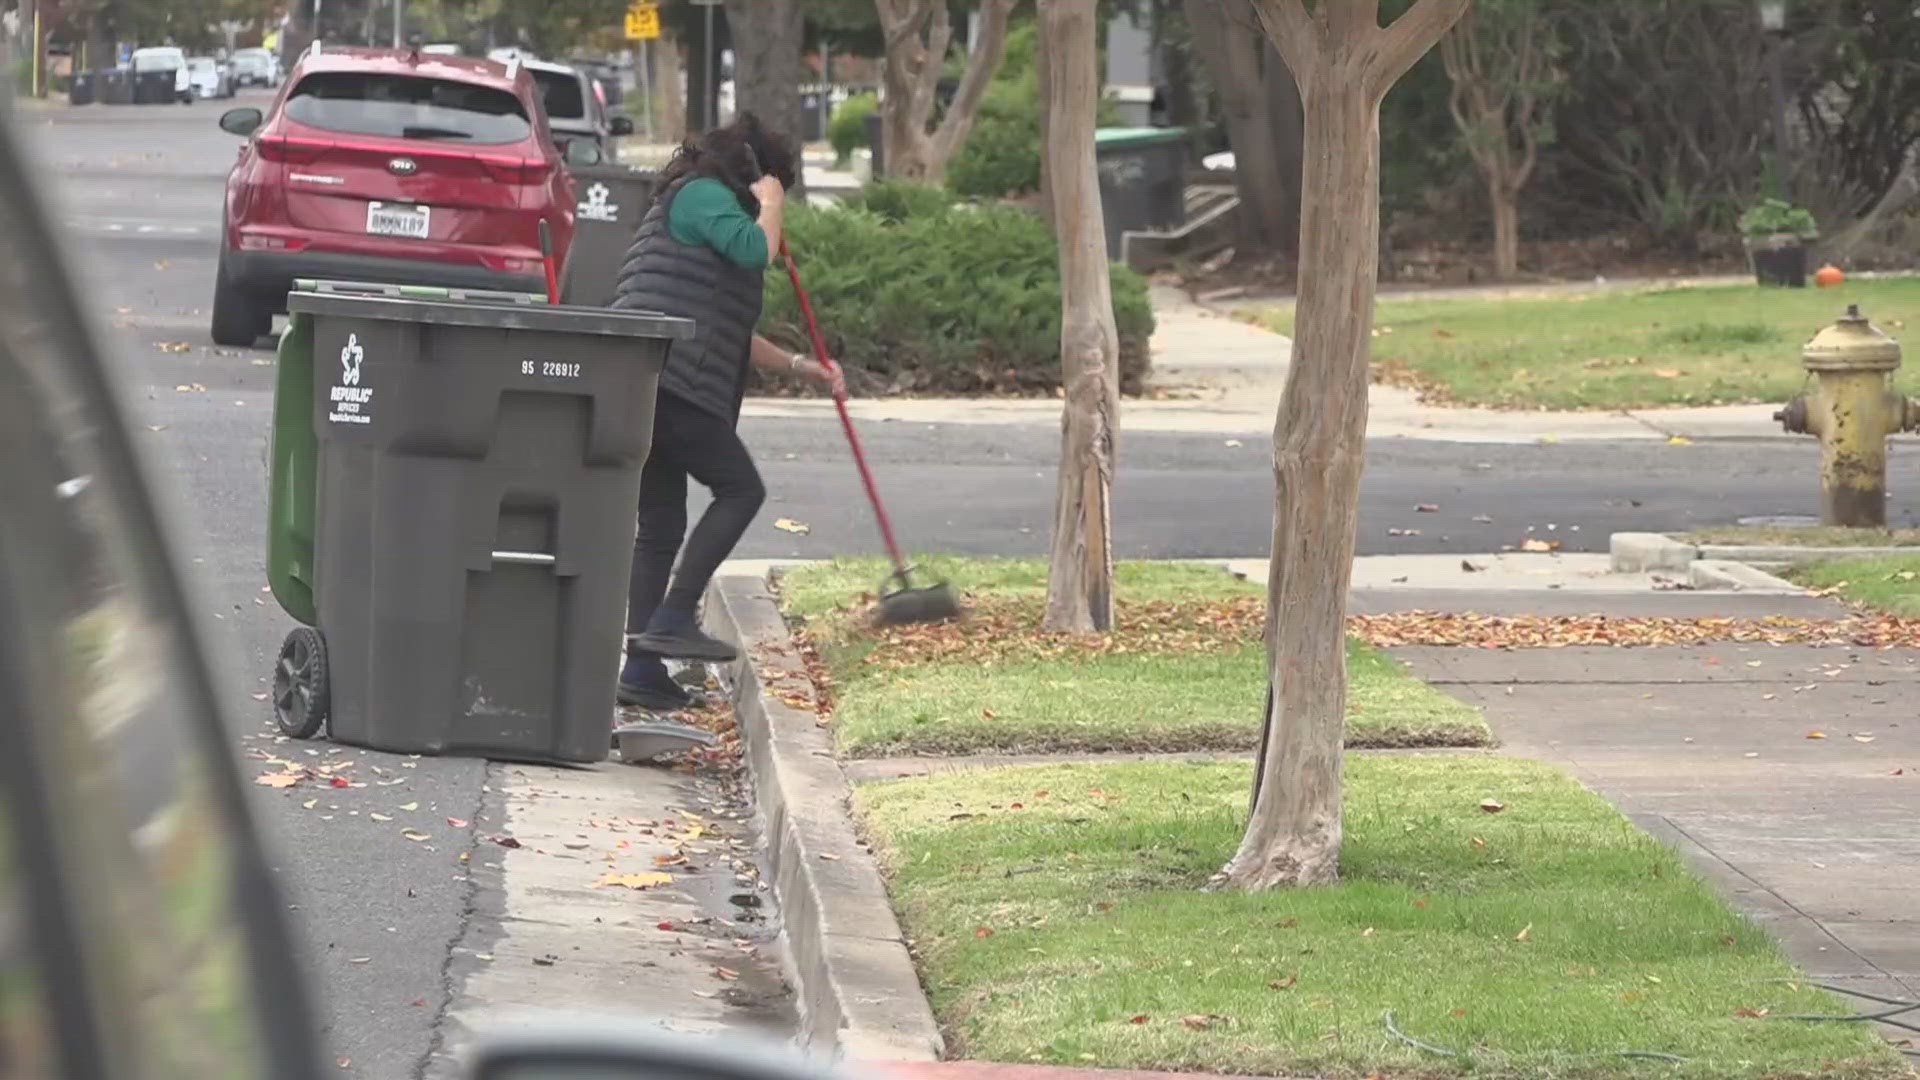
{"points": [[455, 307], [1136, 136]]}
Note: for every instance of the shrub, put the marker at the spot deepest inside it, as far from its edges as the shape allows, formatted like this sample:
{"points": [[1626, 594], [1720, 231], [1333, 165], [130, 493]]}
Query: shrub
{"points": [[847, 128], [1001, 156], [962, 300], [896, 199], [1774, 217]]}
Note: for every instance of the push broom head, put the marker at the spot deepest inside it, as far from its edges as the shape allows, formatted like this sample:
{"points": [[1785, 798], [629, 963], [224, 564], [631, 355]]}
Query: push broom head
{"points": [[901, 603]]}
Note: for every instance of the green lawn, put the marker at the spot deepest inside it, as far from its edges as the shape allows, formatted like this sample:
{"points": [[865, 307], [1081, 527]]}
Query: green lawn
{"points": [[1057, 916], [1619, 348], [1813, 536], [993, 686], [1889, 583]]}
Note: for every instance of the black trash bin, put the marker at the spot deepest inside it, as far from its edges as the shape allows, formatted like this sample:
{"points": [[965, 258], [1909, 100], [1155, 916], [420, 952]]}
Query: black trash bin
{"points": [[478, 466], [1142, 180], [613, 199], [81, 90], [154, 88], [113, 86]]}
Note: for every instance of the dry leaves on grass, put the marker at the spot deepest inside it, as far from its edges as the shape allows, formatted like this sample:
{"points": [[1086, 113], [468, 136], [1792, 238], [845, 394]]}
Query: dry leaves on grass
{"points": [[999, 630]]}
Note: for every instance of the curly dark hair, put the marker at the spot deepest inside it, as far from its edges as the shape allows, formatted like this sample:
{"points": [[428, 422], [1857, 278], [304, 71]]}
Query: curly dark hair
{"points": [[736, 155]]}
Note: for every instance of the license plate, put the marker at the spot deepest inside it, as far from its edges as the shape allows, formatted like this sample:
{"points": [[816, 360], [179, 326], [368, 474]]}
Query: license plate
{"points": [[385, 219]]}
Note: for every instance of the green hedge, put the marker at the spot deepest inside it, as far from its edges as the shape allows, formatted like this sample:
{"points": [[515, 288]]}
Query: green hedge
{"points": [[847, 128], [896, 199], [960, 300]]}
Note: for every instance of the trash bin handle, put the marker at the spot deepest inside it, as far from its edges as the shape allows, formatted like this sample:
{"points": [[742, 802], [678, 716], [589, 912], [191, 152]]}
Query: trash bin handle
{"points": [[523, 558]]}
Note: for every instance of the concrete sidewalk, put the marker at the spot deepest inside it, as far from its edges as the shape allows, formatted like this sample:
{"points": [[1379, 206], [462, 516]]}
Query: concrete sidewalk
{"points": [[1213, 373]]}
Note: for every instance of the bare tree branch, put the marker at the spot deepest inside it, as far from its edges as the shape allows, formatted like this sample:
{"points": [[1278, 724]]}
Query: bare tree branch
{"points": [[1402, 44], [981, 65], [1293, 32]]}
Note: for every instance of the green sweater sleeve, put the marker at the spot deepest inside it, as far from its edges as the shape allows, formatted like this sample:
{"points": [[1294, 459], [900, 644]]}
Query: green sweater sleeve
{"points": [[705, 212]]}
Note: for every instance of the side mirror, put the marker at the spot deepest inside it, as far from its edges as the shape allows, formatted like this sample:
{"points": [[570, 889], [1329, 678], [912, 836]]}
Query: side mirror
{"points": [[242, 122], [621, 125], [614, 1050], [583, 152]]}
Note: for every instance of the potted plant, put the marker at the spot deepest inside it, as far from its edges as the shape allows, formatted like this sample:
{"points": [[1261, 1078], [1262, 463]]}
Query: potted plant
{"points": [[1778, 235]]}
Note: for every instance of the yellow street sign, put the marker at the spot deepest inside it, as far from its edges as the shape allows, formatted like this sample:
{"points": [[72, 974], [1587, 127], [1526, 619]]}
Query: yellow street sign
{"points": [[643, 21]]}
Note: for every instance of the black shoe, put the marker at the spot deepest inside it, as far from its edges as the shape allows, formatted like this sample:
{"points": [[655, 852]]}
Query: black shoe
{"points": [[645, 684], [682, 639]]}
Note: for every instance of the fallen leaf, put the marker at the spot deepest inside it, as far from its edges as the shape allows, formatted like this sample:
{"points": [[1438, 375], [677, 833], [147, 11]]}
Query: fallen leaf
{"points": [[416, 835], [310, 804], [1282, 984], [1477, 842], [829, 856], [726, 973], [458, 823], [1427, 508], [1524, 931], [1679, 440], [277, 779], [1197, 1021], [361, 960], [503, 841], [1653, 978], [173, 346], [983, 931], [1403, 532], [1754, 1013], [344, 1063], [644, 880], [410, 807], [1483, 519], [665, 924], [1666, 373], [1816, 734], [1492, 806], [1863, 738], [1368, 932], [379, 817], [1138, 1018], [1469, 567], [1289, 923], [339, 781], [1534, 543], [1234, 442], [799, 528], [262, 696]]}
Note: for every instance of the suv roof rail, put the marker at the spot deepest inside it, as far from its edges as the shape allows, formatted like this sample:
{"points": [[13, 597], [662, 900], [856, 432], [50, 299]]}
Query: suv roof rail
{"points": [[513, 67], [314, 49]]}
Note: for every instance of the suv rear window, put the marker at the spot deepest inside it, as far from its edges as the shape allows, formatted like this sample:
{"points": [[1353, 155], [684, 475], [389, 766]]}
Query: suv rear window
{"points": [[560, 92], [408, 107]]}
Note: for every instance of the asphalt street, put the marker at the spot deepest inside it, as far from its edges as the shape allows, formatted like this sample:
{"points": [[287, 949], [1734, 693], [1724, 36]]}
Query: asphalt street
{"points": [[139, 191]]}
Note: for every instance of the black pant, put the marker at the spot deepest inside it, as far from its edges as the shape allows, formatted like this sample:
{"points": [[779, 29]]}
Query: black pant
{"points": [[688, 441]]}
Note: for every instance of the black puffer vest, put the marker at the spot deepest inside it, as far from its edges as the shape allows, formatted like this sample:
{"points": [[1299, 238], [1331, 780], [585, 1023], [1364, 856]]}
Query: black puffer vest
{"points": [[693, 281]]}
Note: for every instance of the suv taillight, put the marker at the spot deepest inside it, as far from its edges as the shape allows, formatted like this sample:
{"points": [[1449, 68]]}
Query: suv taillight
{"points": [[516, 170], [291, 151]]}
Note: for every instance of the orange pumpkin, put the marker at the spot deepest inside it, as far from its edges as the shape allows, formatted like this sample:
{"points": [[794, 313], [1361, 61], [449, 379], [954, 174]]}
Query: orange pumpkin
{"points": [[1828, 275]]}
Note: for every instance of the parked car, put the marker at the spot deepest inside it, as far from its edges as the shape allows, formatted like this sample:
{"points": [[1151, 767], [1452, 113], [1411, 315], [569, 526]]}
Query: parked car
{"points": [[442, 48], [150, 62], [209, 77], [143, 933], [256, 67], [389, 166], [577, 110]]}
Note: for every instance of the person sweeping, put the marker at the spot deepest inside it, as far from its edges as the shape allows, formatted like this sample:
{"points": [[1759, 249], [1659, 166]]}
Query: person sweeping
{"points": [[701, 253]]}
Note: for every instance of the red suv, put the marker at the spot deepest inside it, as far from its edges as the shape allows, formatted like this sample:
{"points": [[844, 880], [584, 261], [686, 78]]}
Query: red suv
{"points": [[389, 166]]}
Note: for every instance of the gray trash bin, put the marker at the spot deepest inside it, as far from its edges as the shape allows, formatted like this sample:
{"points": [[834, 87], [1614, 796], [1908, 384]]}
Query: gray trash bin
{"points": [[1143, 180], [478, 466], [613, 199]]}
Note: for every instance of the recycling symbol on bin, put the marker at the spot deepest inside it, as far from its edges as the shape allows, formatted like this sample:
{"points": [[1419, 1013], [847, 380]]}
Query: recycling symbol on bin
{"points": [[351, 354], [597, 208]]}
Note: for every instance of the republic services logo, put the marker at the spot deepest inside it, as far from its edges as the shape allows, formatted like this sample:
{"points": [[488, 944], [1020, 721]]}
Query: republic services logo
{"points": [[351, 356]]}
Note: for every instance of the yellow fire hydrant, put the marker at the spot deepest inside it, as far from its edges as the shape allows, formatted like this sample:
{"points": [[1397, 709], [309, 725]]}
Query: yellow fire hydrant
{"points": [[1852, 408]]}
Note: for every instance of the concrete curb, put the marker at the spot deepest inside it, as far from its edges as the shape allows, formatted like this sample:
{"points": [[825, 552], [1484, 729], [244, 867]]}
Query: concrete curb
{"points": [[858, 993], [1774, 553], [1642, 553], [1723, 574]]}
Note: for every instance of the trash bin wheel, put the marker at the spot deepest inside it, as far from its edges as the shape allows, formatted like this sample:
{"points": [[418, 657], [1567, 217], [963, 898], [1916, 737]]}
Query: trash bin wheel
{"points": [[300, 698]]}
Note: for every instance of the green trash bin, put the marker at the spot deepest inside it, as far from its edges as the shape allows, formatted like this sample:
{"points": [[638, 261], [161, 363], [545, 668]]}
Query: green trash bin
{"points": [[453, 484], [1143, 181]]}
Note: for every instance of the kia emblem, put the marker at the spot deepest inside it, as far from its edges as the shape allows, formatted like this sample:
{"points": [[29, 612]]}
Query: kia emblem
{"points": [[403, 166]]}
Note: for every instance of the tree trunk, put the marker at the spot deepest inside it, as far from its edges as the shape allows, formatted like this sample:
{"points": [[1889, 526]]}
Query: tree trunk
{"points": [[1080, 563], [1506, 229], [917, 34], [1261, 110], [1345, 64], [767, 67], [1043, 79], [670, 87]]}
